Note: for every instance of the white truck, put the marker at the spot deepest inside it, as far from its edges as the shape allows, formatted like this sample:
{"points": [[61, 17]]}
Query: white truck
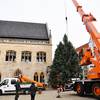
{"points": [[7, 85]]}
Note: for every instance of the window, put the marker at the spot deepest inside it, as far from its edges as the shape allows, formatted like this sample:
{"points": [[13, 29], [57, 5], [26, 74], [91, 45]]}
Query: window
{"points": [[0, 76], [13, 81], [26, 56], [10, 55], [36, 76], [5, 82], [41, 57], [42, 77]]}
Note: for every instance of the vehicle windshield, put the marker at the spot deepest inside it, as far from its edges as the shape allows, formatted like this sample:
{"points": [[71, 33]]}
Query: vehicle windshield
{"points": [[5, 82]]}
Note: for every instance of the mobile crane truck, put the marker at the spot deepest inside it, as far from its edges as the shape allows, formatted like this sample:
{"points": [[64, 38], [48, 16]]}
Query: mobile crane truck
{"points": [[90, 85]]}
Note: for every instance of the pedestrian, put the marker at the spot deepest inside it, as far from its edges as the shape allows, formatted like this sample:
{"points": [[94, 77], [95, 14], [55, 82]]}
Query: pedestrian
{"points": [[17, 86], [61, 88], [58, 92], [33, 90]]}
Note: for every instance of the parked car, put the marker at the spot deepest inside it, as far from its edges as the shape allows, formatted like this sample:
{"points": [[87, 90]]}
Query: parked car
{"points": [[70, 84]]}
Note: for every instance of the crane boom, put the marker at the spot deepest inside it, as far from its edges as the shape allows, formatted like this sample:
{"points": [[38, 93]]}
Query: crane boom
{"points": [[87, 19], [23, 78], [95, 36]]}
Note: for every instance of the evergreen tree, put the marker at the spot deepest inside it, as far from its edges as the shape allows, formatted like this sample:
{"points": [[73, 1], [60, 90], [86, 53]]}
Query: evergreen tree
{"points": [[56, 68], [65, 63], [71, 67]]}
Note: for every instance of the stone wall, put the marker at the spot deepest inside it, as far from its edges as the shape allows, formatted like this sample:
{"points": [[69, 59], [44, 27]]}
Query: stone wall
{"points": [[7, 68]]}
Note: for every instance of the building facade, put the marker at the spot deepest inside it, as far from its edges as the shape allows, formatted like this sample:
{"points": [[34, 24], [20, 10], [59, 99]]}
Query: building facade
{"points": [[25, 48]]}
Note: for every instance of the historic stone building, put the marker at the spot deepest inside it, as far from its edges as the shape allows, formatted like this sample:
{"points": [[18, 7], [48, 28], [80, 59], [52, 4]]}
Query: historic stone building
{"points": [[25, 48]]}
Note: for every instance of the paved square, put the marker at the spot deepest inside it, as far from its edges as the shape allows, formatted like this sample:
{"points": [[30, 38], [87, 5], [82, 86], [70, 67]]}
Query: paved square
{"points": [[50, 95]]}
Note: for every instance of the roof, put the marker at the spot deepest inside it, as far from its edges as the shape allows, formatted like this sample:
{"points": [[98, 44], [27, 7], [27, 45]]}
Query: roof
{"points": [[23, 30]]}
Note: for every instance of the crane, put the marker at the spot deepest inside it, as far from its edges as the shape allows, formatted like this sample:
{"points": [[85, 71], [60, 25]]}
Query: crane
{"points": [[92, 83], [23, 79]]}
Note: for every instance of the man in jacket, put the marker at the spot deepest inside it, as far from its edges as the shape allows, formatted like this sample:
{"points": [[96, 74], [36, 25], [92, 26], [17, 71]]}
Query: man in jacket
{"points": [[17, 86], [33, 90]]}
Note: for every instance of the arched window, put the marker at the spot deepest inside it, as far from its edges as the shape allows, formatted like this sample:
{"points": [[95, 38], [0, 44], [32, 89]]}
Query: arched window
{"points": [[26, 56], [36, 76], [41, 57], [10, 55], [0, 76], [42, 77], [17, 72]]}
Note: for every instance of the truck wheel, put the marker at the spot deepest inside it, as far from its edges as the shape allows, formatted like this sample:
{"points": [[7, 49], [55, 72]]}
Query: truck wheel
{"points": [[96, 90], [80, 89], [0, 92]]}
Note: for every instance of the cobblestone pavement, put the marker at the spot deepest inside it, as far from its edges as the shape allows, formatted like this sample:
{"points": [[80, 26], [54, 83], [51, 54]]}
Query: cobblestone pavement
{"points": [[50, 95]]}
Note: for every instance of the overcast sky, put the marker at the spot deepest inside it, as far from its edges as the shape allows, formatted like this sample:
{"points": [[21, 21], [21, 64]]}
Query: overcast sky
{"points": [[53, 12]]}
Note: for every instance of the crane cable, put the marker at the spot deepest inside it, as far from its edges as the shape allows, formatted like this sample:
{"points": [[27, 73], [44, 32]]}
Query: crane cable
{"points": [[66, 18]]}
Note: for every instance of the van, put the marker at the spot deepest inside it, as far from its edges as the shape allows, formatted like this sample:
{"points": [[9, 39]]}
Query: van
{"points": [[7, 85]]}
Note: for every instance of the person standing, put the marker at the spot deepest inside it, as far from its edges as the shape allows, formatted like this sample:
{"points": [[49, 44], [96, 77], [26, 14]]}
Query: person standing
{"points": [[33, 90], [58, 92], [17, 86]]}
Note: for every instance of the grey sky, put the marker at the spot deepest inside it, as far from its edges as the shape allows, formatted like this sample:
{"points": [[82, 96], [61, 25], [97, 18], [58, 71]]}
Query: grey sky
{"points": [[52, 12]]}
